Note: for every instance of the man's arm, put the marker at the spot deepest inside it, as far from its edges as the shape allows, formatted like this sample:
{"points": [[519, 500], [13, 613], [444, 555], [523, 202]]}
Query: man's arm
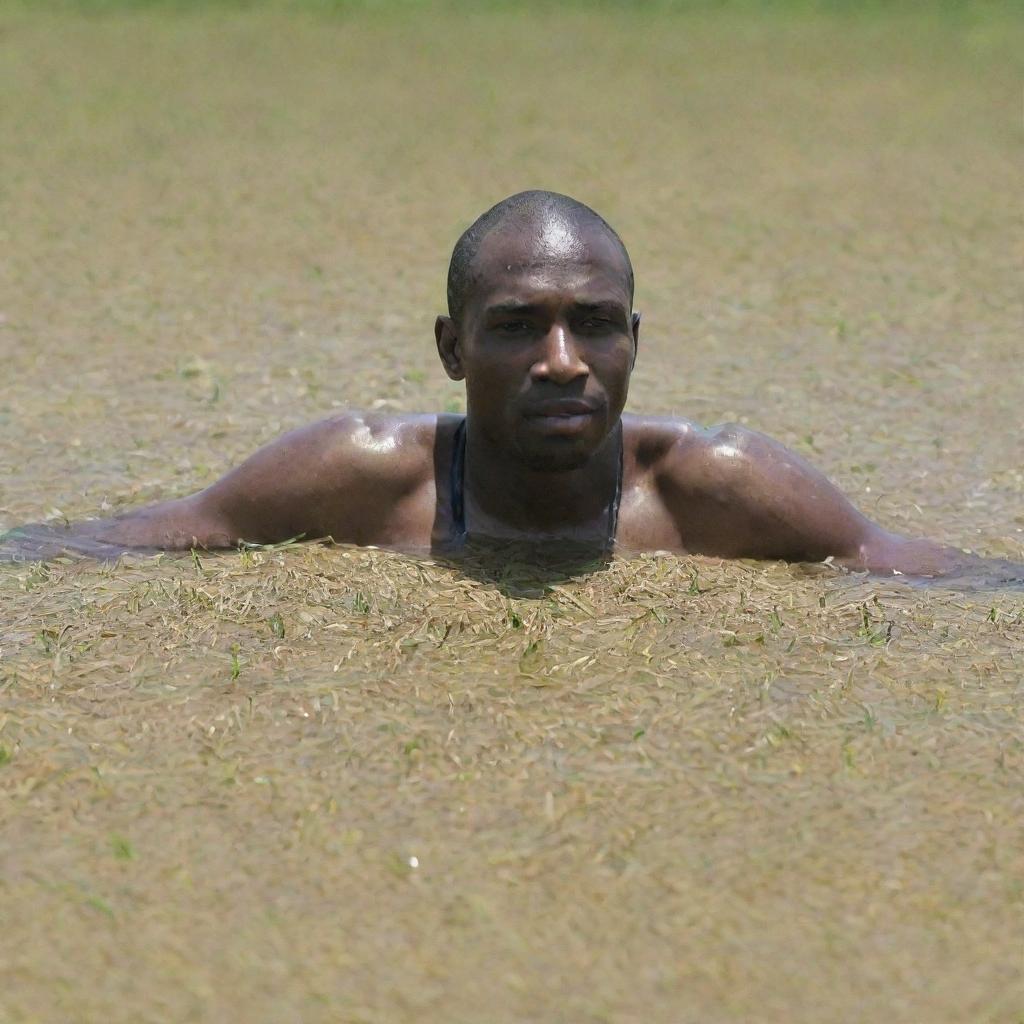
{"points": [[337, 477], [739, 494]]}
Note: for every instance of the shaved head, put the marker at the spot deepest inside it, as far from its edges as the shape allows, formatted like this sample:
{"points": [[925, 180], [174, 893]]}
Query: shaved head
{"points": [[559, 223]]}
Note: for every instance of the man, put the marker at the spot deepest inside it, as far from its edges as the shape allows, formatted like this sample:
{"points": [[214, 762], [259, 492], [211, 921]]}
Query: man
{"points": [[541, 328]]}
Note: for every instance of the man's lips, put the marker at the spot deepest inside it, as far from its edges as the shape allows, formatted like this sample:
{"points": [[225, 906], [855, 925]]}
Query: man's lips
{"points": [[558, 408], [561, 416]]}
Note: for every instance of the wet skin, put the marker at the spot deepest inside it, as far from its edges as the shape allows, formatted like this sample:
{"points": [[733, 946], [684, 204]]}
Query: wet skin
{"points": [[545, 345]]}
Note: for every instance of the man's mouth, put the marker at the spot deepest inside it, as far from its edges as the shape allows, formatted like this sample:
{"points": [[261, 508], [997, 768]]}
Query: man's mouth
{"points": [[560, 408], [560, 415]]}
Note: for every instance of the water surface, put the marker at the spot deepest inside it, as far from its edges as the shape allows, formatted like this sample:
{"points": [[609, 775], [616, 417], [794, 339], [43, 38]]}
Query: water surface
{"points": [[329, 783]]}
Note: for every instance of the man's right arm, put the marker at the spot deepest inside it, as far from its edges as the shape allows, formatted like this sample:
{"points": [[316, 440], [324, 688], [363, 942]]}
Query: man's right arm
{"points": [[312, 482]]}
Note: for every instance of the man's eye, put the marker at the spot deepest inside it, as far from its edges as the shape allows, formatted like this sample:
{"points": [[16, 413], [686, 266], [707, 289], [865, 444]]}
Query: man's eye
{"points": [[513, 327], [596, 323]]}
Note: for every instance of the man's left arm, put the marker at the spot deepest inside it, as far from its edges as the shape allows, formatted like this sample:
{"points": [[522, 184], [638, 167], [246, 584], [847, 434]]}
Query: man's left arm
{"points": [[765, 501]]}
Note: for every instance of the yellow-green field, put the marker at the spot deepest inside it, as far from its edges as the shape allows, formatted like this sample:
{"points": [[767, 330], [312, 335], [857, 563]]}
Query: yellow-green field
{"points": [[342, 785]]}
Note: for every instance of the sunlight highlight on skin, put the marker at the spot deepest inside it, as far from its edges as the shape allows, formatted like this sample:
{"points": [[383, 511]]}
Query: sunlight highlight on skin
{"points": [[365, 439], [726, 451], [558, 236]]}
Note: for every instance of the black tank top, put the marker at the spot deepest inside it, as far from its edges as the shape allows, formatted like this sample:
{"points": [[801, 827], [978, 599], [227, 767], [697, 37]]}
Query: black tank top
{"points": [[457, 477]]}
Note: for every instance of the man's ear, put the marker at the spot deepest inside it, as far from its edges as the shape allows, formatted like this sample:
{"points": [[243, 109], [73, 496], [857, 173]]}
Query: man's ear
{"points": [[448, 349], [636, 337]]}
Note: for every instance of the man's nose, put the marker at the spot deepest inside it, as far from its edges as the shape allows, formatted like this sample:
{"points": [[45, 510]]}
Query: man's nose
{"points": [[560, 359]]}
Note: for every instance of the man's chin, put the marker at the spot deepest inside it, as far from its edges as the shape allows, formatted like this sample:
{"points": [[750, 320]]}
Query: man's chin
{"points": [[554, 458]]}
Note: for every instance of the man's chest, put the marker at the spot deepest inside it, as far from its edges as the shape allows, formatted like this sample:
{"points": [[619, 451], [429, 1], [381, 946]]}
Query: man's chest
{"points": [[645, 523]]}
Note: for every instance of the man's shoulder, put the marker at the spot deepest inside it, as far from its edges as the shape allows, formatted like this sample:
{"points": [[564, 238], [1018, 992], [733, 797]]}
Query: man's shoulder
{"points": [[686, 455], [737, 493], [655, 440], [379, 433], [393, 446]]}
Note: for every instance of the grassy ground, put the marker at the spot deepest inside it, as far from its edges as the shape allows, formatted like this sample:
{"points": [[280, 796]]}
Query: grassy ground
{"points": [[342, 785]]}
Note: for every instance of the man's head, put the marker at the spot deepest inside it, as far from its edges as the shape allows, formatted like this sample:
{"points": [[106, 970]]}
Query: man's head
{"points": [[541, 328]]}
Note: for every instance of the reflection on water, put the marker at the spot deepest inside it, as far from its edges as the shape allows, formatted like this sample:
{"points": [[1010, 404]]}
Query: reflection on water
{"points": [[43, 541], [985, 574], [988, 574], [517, 568], [521, 569]]}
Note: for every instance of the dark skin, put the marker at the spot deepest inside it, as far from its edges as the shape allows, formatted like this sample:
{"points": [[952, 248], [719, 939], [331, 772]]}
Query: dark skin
{"points": [[546, 345]]}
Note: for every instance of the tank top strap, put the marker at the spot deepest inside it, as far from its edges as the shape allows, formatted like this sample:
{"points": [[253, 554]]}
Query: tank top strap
{"points": [[456, 478], [613, 508]]}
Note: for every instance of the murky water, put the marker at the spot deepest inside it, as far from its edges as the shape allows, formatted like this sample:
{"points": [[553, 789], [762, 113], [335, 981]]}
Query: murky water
{"points": [[328, 783]]}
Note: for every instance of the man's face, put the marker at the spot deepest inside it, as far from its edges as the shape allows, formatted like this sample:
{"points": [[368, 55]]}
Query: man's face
{"points": [[546, 342]]}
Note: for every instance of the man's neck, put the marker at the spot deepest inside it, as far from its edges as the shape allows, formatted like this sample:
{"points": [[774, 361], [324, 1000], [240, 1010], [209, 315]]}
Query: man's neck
{"points": [[505, 497]]}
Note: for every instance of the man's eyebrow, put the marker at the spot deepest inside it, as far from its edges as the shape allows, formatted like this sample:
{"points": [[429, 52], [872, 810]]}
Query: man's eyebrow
{"points": [[606, 306], [511, 309]]}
